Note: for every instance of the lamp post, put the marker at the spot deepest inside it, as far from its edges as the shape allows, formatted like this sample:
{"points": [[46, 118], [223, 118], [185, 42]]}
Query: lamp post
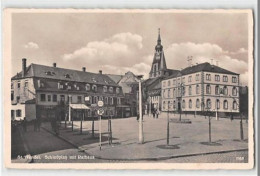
{"points": [[181, 86], [168, 123], [141, 136], [69, 108]]}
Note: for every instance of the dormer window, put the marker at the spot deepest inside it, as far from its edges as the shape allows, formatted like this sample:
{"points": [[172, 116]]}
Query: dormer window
{"points": [[69, 87], [48, 73], [117, 90], [87, 87], [94, 88], [104, 88], [60, 85], [94, 80], [67, 76], [111, 89]]}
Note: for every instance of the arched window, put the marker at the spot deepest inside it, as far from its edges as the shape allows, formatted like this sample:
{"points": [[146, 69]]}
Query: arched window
{"points": [[94, 88], [164, 105], [87, 87], [183, 104], [234, 105], [111, 89], [225, 104], [208, 104], [169, 93], [190, 103], [234, 91], [225, 90], [104, 88], [174, 92], [190, 90], [208, 91], [217, 104], [106, 100], [183, 91], [117, 90], [169, 105], [197, 89], [174, 104], [217, 90], [197, 103]]}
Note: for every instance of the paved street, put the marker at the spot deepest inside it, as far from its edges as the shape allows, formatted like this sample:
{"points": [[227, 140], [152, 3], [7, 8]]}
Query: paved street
{"points": [[186, 138]]}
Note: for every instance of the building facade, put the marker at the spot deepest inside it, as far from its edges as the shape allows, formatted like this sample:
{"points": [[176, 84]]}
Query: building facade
{"points": [[202, 87], [53, 89]]}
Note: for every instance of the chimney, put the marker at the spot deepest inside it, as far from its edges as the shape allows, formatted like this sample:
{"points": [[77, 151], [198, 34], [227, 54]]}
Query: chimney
{"points": [[23, 66], [54, 64], [84, 69], [100, 72]]}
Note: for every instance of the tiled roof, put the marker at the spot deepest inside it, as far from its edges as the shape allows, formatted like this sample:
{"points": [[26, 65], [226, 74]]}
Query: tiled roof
{"points": [[41, 71], [115, 78]]}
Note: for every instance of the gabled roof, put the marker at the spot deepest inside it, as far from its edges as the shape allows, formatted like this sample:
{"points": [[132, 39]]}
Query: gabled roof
{"points": [[41, 71], [115, 78]]}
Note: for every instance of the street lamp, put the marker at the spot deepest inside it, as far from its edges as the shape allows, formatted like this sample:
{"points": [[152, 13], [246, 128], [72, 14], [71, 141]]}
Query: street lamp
{"points": [[168, 123], [181, 87], [141, 135]]}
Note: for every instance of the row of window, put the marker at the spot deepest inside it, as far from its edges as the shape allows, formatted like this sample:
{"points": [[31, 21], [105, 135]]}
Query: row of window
{"points": [[19, 85], [197, 76], [181, 91], [92, 99], [198, 104], [16, 113]]}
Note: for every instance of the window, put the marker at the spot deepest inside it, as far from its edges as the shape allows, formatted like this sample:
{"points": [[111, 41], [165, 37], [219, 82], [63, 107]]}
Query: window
{"points": [[169, 93], [164, 83], [67, 76], [208, 104], [117, 90], [234, 105], [169, 83], [217, 104], [54, 98], [18, 113], [234, 79], [174, 82], [111, 89], [197, 77], [234, 91], [118, 101], [164, 105], [49, 97], [106, 100], [190, 90], [90, 100], [104, 88], [217, 90], [79, 99], [26, 84], [60, 85], [183, 104], [217, 78], [189, 78], [18, 99], [18, 85], [111, 100], [87, 87], [190, 103], [225, 90], [208, 77], [197, 89], [183, 91], [43, 97], [225, 104], [174, 104], [94, 88], [208, 89], [12, 85], [183, 79], [12, 96], [225, 79], [197, 103], [174, 92], [62, 98]]}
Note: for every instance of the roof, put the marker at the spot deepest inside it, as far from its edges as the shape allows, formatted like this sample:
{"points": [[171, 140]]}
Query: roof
{"points": [[205, 67], [115, 78], [41, 71]]}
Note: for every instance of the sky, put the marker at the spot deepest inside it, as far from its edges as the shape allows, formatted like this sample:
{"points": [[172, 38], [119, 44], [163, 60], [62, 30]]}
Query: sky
{"points": [[119, 42]]}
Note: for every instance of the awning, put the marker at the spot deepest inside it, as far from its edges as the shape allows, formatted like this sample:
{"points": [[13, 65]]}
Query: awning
{"points": [[79, 106]]}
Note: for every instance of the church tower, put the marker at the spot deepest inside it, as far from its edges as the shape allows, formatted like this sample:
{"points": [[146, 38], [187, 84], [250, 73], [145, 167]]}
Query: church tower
{"points": [[159, 67]]}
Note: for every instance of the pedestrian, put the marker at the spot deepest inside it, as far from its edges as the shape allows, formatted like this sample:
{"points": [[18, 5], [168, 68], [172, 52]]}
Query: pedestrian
{"points": [[157, 113], [24, 124], [153, 113], [231, 117]]}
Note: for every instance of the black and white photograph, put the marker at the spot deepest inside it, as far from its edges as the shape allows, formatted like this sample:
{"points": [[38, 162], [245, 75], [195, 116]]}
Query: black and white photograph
{"points": [[133, 89]]}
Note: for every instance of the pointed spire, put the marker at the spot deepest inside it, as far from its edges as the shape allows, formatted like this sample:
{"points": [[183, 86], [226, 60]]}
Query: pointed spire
{"points": [[159, 37]]}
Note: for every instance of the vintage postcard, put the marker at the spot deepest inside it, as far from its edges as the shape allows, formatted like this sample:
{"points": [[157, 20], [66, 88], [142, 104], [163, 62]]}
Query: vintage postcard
{"points": [[128, 89]]}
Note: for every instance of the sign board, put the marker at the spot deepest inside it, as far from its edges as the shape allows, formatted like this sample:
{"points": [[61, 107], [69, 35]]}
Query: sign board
{"points": [[86, 98], [100, 103], [100, 111]]}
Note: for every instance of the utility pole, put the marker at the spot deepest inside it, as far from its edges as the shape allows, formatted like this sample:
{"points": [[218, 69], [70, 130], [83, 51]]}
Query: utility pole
{"points": [[141, 136]]}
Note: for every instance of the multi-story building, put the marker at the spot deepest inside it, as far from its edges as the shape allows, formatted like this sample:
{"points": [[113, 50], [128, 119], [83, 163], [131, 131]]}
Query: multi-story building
{"points": [[51, 89], [202, 87]]}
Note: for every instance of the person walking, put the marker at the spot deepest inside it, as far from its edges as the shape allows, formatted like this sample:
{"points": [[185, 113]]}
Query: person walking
{"points": [[153, 113], [157, 113]]}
